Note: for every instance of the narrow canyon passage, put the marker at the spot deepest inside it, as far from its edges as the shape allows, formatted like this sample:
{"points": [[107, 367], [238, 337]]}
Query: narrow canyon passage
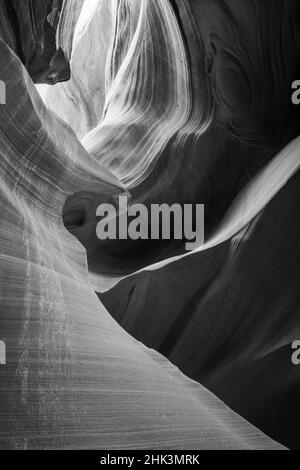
{"points": [[140, 343]]}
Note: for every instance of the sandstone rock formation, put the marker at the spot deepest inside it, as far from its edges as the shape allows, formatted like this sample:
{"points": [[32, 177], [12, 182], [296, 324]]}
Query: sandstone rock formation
{"points": [[29, 28], [175, 101]]}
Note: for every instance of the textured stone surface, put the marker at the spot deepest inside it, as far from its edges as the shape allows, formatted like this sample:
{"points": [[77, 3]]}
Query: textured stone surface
{"points": [[74, 378], [29, 28], [227, 316], [219, 107], [177, 101]]}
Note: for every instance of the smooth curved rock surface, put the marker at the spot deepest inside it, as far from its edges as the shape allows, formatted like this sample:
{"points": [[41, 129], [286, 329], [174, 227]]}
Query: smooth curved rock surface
{"points": [[74, 378], [236, 65], [194, 100], [227, 316]]}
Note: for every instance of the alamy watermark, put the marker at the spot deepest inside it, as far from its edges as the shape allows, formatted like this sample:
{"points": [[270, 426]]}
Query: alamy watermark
{"points": [[2, 92], [296, 353], [157, 222]]}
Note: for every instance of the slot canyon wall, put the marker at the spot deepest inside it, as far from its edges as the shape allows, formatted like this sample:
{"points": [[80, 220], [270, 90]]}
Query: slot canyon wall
{"points": [[138, 344]]}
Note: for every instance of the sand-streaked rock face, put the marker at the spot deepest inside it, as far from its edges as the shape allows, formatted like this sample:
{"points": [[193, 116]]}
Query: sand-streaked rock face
{"points": [[73, 377]]}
